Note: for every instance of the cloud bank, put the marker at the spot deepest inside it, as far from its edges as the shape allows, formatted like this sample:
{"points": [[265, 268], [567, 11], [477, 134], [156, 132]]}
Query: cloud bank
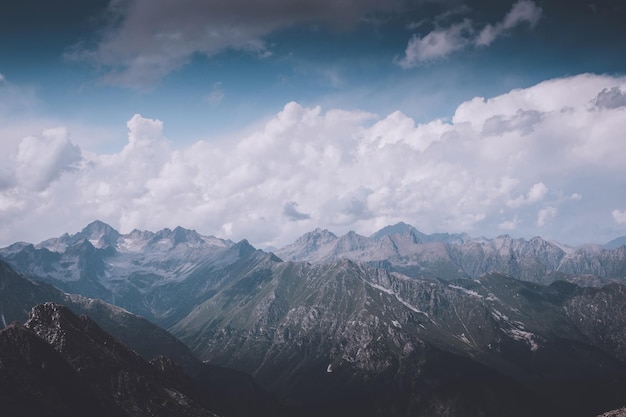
{"points": [[543, 160]]}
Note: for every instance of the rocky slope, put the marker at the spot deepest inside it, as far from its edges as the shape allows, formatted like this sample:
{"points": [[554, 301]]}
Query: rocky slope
{"points": [[229, 392], [342, 335], [62, 364]]}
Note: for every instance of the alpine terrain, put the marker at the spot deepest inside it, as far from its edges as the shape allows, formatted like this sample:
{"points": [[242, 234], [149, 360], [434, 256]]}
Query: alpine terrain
{"points": [[395, 324]]}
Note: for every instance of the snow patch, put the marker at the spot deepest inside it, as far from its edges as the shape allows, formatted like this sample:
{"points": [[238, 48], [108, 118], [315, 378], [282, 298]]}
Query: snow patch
{"points": [[465, 290], [519, 334], [388, 291], [396, 324], [499, 316], [329, 369]]}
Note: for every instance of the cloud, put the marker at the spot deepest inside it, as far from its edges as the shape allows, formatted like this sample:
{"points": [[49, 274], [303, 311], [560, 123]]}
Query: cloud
{"points": [[344, 170], [545, 214], [612, 98], [508, 225], [522, 121], [619, 216], [536, 193], [147, 39], [524, 11], [435, 45], [441, 42], [40, 161], [290, 210]]}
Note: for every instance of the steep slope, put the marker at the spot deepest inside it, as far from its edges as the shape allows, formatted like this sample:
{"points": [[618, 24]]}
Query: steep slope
{"points": [[114, 379], [19, 295], [330, 335], [35, 380], [230, 392]]}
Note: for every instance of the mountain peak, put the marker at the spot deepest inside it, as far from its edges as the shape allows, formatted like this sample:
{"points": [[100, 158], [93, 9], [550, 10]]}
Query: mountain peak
{"points": [[400, 228], [100, 234]]}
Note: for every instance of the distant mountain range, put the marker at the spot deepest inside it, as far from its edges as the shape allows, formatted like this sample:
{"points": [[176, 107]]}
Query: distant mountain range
{"points": [[403, 248], [397, 323]]}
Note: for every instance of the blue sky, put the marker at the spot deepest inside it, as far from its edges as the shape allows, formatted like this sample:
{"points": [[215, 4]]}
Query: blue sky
{"points": [[266, 119]]}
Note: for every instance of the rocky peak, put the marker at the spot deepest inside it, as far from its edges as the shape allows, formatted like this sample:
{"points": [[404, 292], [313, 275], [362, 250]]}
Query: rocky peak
{"points": [[182, 235], [401, 229], [99, 234]]}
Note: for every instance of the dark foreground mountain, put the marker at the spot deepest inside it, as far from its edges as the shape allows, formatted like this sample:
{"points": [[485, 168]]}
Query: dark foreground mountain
{"points": [[59, 364], [227, 391]]}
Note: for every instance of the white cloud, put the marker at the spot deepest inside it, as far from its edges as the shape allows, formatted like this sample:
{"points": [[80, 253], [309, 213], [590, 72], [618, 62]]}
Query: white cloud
{"points": [[442, 42], [342, 170], [619, 216], [40, 161], [545, 214], [435, 45], [148, 39], [536, 193]]}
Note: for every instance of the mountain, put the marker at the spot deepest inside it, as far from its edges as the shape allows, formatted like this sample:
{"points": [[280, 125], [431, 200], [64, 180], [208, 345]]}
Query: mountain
{"points": [[19, 295], [402, 248], [615, 243], [151, 274], [398, 323], [345, 336], [230, 392], [62, 364]]}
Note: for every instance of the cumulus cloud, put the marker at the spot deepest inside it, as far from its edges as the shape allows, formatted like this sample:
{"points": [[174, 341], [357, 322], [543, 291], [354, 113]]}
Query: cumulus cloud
{"points": [[522, 121], [40, 161], [443, 41], [612, 98], [147, 39], [344, 170]]}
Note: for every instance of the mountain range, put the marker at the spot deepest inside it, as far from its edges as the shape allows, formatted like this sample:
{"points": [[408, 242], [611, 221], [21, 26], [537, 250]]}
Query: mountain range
{"points": [[397, 323]]}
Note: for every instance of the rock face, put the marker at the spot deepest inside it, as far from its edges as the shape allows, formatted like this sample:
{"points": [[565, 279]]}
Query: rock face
{"points": [[615, 413], [345, 336], [62, 364], [19, 295]]}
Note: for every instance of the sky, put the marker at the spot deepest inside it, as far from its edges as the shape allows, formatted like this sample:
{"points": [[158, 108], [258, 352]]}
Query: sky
{"points": [[267, 119]]}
